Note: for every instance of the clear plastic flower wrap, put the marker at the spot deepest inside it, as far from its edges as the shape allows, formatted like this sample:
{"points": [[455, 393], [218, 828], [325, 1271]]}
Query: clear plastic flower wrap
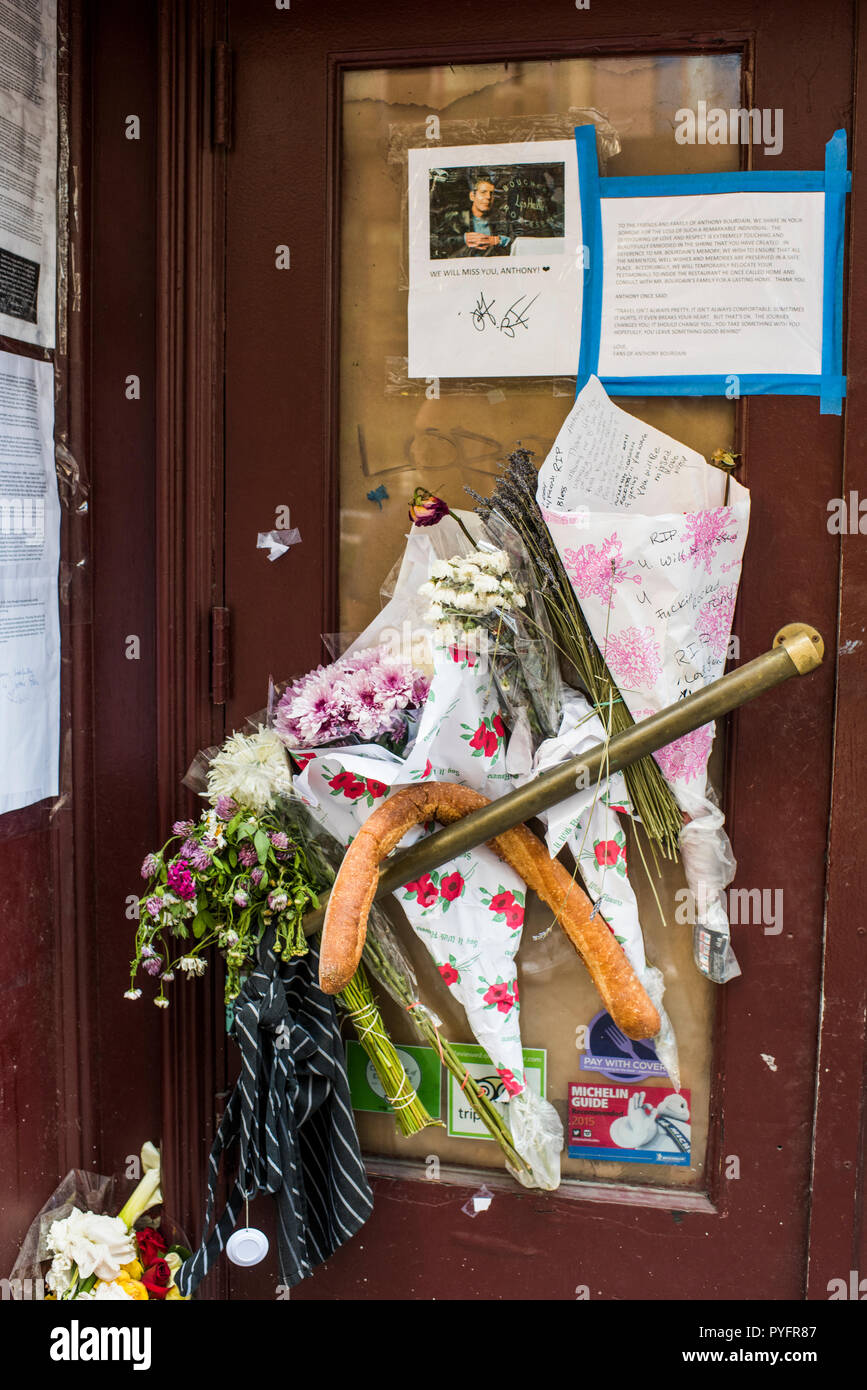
{"points": [[483, 604]]}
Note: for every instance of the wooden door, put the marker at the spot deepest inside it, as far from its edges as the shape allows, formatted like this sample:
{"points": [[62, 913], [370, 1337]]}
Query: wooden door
{"points": [[294, 343]]}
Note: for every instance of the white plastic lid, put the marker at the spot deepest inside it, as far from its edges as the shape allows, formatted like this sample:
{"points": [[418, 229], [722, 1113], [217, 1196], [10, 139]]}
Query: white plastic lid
{"points": [[247, 1246]]}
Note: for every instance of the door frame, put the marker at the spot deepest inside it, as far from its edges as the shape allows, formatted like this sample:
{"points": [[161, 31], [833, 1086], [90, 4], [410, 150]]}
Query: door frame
{"points": [[191, 311]]}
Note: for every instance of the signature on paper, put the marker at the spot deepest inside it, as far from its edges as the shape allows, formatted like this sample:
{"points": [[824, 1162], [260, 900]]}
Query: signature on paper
{"points": [[514, 317], [18, 684]]}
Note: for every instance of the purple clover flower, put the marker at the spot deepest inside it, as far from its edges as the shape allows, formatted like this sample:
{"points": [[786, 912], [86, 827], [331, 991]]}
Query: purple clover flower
{"points": [[154, 906], [200, 859], [242, 899], [183, 827], [279, 839], [247, 856], [256, 876], [150, 866], [153, 965], [225, 807]]}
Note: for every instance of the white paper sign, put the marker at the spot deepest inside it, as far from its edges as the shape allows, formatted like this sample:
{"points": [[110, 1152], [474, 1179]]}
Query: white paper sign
{"points": [[654, 554], [28, 170], [29, 554], [729, 283], [495, 259]]}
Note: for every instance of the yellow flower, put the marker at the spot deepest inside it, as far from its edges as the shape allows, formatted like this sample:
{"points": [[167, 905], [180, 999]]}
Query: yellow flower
{"points": [[174, 1294], [136, 1289], [132, 1271]]}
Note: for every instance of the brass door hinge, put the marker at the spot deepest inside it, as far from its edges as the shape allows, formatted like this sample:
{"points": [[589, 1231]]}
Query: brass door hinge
{"points": [[220, 669], [221, 113]]}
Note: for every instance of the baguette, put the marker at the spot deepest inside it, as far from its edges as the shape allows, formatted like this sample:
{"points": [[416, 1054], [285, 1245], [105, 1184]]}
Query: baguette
{"points": [[354, 889]]}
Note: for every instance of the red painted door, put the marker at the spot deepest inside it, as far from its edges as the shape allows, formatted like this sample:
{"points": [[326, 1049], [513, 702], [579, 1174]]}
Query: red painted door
{"points": [[309, 375]]}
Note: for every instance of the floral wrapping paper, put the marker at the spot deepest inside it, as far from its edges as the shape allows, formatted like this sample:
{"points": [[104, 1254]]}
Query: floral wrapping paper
{"points": [[469, 913], [653, 552]]}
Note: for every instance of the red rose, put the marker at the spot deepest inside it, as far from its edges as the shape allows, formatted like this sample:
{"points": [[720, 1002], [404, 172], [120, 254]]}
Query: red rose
{"points": [[479, 737], [499, 727], [375, 788], [452, 886], [492, 743], [150, 1246], [449, 974], [607, 852], [514, 915], [501, 902], [157, 1279]]}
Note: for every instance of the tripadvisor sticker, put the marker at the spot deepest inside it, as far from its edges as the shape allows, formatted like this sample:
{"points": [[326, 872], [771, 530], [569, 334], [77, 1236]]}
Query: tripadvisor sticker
{"points": [[422, 1067], [463, 1121]]}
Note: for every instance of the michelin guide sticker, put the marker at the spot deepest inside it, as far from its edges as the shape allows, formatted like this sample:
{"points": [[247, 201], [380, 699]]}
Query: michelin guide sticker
{"points": [[629, 1124]]}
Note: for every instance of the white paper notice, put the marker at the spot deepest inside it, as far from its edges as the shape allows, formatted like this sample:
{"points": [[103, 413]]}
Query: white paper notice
{"points": [[724, 284], [653, 551], [28, 169], [495, 260], [29, 615]]}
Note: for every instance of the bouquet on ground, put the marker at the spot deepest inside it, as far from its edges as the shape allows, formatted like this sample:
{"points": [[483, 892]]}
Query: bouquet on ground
{"points": [[93, 1255]]}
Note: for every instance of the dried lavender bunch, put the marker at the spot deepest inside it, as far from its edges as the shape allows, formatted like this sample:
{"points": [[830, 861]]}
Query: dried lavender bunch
{"points": [[514, 500]]}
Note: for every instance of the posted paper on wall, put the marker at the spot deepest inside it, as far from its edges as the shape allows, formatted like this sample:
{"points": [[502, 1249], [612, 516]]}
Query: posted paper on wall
{"points": [[495, 257], [29, 555], [729, 283], [28, 171]]}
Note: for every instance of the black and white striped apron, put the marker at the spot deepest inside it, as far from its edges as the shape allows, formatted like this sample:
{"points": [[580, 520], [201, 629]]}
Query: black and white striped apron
{"points": [[291, 1113]]}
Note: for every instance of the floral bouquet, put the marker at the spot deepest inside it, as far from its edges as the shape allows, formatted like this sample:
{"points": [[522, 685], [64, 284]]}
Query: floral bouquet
{"points": [[250, 866], [223, 879], [652, 538], [482, 609], [369, 696], [93, 1255]]}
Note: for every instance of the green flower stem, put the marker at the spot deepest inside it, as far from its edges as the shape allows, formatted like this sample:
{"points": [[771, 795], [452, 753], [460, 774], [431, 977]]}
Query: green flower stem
{"points": [[399, 987], [358, 1001]]}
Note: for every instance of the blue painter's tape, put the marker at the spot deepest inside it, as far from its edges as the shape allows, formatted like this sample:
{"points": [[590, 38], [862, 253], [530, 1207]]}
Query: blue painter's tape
{"points": [[732, 386], [838, 181], [591, 235], [835, 181], [684, 185]]}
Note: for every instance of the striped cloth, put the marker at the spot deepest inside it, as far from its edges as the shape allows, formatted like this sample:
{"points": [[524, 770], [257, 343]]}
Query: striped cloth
{"points": [[291, 1113]]}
